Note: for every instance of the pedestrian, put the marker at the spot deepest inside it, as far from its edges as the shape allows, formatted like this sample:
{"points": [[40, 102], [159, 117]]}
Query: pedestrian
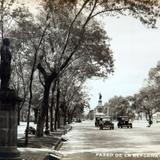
{"points": [[150, 123]]}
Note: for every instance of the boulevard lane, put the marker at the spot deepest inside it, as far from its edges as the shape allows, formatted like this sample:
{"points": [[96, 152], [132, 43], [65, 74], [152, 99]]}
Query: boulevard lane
{"points": [[86, 141]]}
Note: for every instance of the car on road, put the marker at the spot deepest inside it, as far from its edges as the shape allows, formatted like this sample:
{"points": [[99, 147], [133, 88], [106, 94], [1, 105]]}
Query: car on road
{"points": [[78, 120], [106, 123], [124, 122], [98, 116], [31, 130]]}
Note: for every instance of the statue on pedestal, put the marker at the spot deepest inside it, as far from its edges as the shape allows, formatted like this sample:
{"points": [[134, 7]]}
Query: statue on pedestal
{"points": [[5, 67], [100, 96]]}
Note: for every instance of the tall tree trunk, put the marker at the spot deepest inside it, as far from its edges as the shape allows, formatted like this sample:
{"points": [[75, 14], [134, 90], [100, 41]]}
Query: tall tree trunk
{"points": [[51, 118], [58, 119], [69, 117], [18, 115], [51, 107], [44, 109], [20, 106], [57, 108], [35, 115], [55, 119], [64, 114], [150, 118], [65, 119], [47, 121], [30, 98]]}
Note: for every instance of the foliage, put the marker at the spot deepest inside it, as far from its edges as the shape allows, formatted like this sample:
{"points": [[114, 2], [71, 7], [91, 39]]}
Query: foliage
{"points": [[119, 106], [145, 10]]}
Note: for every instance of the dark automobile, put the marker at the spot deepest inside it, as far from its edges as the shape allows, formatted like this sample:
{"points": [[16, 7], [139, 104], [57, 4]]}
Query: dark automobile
{"points": [[124, 122], [106, 123], [78, 120], [31, 130]]}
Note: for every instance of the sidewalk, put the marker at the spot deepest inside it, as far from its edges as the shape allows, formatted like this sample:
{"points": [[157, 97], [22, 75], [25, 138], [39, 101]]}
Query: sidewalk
{"points": [[39, 147]]}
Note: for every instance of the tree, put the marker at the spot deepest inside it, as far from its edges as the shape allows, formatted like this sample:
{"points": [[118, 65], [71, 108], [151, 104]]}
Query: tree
{"points": [[93, 50], [119, 106], [148, 100], [154, 76], [6, 16], [19, 79], [71, 93]]}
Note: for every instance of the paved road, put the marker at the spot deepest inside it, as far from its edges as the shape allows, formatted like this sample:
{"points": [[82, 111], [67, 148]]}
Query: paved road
{"points": [[86, 142]]}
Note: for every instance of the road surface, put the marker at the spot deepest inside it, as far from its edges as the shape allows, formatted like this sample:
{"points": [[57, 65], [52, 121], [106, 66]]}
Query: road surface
{"points": [[86, 142]]}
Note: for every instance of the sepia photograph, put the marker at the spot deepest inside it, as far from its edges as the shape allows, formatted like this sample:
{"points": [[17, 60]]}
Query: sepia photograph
{"points": [[79, 79]]}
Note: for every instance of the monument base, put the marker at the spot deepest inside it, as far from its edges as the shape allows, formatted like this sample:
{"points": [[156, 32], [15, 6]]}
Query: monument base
{"points": [[9, 153], [8, 125]]}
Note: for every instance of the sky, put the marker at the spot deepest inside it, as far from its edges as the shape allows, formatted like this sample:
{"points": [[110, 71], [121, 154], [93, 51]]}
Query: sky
{"points": [[136, 49]]}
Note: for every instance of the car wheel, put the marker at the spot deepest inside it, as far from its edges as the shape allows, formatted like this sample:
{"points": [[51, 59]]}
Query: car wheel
{"points": [[101, 127]]}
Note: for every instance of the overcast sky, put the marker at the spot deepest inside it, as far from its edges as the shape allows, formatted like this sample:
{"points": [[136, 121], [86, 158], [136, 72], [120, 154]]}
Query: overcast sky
{"points": [[136, 49]]}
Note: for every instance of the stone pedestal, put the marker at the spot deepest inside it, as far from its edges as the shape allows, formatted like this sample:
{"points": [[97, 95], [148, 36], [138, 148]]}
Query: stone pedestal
{"points": [[8, 125]]}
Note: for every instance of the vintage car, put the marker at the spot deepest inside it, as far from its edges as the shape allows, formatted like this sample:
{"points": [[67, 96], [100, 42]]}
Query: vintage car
{"points": [[124, 122], [98, 116], [78, 120], [106, 123], [31, 130]]}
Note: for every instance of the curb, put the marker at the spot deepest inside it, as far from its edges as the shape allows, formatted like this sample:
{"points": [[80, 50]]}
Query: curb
{"points": [[58, 145], [68, 129], [60, 142]]}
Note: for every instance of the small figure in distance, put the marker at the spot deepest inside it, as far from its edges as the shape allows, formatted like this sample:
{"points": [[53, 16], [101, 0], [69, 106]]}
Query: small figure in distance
{"points": [[150, 123], [100, 96], [101, 122]]}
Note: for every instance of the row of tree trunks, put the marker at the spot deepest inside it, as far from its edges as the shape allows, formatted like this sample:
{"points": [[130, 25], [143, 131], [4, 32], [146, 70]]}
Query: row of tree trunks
{"points": [[44, 112]]}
